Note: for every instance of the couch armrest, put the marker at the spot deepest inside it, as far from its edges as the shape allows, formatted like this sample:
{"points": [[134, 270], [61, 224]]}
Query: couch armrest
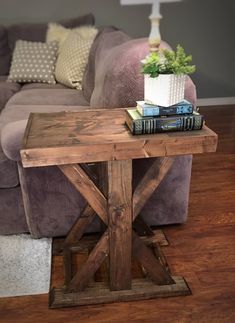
{"points": [[118, 78], [7, 90], [11, 139]]}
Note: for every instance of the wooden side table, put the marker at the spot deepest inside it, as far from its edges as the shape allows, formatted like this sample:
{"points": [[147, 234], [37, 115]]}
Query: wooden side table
{"points": [[70, 139]]}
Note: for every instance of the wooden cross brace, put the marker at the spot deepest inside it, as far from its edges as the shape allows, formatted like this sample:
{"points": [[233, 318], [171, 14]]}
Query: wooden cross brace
{"points": [[118, 209]]}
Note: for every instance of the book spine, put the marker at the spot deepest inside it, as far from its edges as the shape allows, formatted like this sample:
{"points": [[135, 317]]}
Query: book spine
{"points": [[177, 123], [164, 111], [135, 126]]}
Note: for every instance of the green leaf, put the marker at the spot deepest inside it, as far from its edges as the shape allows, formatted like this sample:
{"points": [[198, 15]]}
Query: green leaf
{"points": [[168, 62]]}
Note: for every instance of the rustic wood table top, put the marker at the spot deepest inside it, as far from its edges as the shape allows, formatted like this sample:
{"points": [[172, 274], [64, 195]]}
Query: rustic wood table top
{"points": [[101, 135]]}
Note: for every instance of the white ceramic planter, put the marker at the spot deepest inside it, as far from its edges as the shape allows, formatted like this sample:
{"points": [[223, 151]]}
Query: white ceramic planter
{"points": [[164, 90]]}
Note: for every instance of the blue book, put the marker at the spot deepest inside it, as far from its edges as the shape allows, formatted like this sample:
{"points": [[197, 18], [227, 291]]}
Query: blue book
{"points": [[149, 110]]}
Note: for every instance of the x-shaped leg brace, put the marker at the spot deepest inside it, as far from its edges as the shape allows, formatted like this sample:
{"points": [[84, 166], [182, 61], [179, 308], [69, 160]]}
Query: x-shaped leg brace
{"points": [[118, 210]]}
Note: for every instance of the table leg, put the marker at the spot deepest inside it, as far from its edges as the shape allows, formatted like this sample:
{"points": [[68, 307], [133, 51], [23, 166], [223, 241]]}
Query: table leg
{"points": [[120, 223]]}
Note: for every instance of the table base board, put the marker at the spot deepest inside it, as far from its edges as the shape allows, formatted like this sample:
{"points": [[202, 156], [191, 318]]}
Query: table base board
{"points": [[99, 293]]}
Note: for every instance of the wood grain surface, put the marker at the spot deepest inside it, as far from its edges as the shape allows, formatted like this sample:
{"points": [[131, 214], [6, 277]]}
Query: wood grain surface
{"points": [[98, 293], [101, 135], [120, 223]]}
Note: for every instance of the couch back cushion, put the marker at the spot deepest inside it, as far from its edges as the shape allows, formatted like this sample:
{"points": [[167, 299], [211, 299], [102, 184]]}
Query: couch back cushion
{"points": [[4, 52], [107, 37], [35, 32]]}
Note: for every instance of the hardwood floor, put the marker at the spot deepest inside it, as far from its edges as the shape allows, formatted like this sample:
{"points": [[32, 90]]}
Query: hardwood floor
{"points": [[202, 250]]}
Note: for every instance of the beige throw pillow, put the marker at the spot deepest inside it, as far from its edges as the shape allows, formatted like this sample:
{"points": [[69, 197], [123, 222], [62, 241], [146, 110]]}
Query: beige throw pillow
{"points": [[73, 56], [33, 62], [56, 32]]}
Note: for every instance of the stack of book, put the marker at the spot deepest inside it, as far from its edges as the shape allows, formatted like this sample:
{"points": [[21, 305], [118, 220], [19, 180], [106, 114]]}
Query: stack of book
{"points": [[148, 118]]}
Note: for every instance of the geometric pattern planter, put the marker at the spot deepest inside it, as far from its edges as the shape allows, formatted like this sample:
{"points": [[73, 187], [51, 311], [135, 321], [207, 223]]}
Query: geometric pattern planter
{"points": [[165, 89]]}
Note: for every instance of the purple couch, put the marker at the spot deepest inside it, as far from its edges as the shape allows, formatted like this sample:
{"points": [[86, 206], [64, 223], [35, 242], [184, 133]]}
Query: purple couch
{"points": [[41, 200]]}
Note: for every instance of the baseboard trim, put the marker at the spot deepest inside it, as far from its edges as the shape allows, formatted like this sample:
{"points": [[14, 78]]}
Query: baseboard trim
{"points": [[216, 101]]}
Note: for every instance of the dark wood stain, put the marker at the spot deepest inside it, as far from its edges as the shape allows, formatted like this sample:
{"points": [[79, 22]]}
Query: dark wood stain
{"points": [[120, 223], [202, 250], [47, 144]]}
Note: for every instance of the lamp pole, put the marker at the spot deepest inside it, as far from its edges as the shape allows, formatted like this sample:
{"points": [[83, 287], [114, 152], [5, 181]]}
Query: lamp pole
{"points": [[155, 36], [155, 17]]}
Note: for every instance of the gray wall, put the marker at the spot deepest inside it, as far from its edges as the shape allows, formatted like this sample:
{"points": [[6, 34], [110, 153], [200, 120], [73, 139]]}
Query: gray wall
{"points": [[204, 27]]}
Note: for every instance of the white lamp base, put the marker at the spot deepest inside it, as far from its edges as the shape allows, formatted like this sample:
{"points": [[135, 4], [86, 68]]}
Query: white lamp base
{"points": [[154, 37]]}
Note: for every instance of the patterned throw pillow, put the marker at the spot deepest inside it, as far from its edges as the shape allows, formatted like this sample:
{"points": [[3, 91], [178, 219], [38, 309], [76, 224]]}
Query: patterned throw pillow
{"points": [[73, 56], [33, 62]]}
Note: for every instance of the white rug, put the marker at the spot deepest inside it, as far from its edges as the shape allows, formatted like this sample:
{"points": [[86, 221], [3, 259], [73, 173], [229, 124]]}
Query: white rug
{"points": [[25, 265]]}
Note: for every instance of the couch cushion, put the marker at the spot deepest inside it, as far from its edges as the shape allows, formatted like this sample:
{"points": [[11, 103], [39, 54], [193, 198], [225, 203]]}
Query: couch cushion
{"points": [[4, 52], [7, 90], [31, 86], [8, 173], [37, 32], [50, 96]]}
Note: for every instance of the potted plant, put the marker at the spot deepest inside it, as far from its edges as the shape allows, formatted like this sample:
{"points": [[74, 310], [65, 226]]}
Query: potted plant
{"points": [[164, 76]]}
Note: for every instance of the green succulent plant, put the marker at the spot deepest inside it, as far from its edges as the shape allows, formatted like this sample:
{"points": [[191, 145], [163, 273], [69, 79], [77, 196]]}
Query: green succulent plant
{"points": [[167, 61]]}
